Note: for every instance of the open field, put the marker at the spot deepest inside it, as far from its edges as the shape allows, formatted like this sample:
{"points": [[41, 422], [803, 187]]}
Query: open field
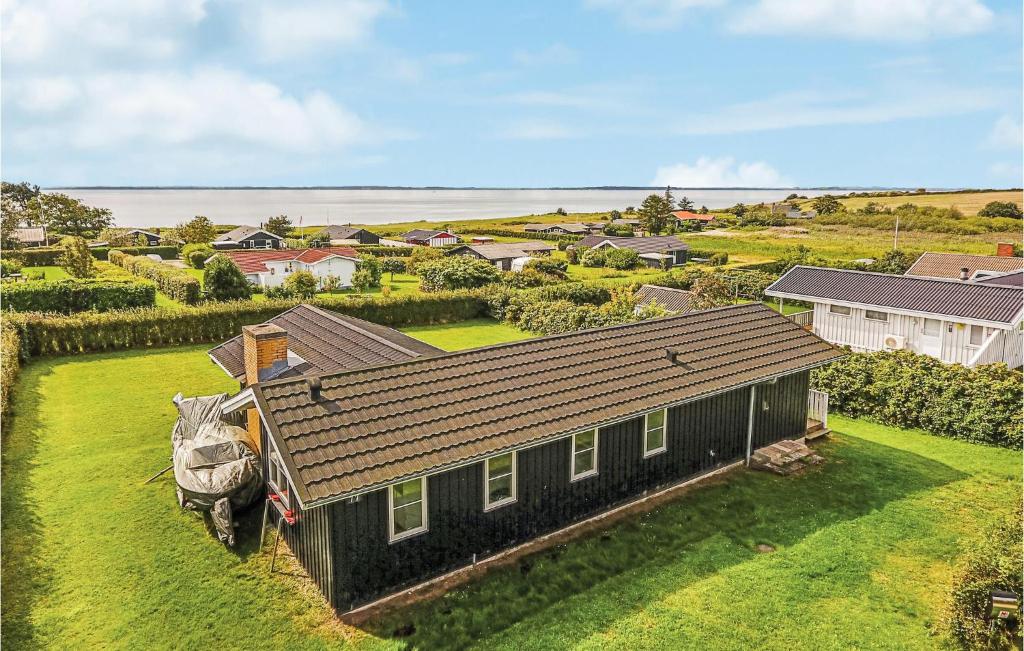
{"points": [[466, 334], [969, 203], [92, 557]]}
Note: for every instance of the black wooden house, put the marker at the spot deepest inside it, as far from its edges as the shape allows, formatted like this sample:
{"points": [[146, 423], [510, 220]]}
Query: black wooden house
{"points": [[390, 475]]}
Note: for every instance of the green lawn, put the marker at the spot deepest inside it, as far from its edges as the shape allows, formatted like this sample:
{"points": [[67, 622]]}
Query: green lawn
{"points": [[467, 334], [94, 558]]}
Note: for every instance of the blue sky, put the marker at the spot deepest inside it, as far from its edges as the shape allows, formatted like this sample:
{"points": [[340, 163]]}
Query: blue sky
{"points": [[698, 93]]}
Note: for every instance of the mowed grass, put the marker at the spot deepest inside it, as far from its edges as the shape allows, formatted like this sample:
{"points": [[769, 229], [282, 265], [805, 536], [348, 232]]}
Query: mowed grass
{"points": [[467, 334], [93, 558]]}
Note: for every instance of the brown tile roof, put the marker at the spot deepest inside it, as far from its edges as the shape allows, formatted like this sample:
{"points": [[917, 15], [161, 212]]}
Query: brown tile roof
{"points": [[673, 300], [937, 296], [329, 341], [373, 426], [948, 265], [651, 244]]}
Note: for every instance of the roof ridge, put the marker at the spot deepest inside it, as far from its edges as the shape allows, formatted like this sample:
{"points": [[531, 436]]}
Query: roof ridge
{"points": [[532, 340], [948, 281], [334, 317]]}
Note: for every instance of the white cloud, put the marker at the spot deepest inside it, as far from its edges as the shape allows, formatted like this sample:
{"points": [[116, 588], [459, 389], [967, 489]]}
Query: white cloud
{"points": [[47, 94], [864, 19], [1006, 133], [284, 30], [204, 107], [70, 32], [539, 130], [651, 14], [822, 108], [720, 173], [554, 54], [1012, 172]]}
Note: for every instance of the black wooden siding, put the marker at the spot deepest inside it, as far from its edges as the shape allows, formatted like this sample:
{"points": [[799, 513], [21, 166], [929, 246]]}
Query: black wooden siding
{"points": [[309, 538], [701, 436]]}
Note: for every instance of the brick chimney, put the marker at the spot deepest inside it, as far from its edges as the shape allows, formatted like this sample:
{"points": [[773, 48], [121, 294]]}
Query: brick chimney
{"points": [[1004, 249], [265, 349]]}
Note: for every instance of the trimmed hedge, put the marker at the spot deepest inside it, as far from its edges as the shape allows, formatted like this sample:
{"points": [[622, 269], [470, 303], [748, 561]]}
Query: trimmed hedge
{"points": [[176, 283], [501, 232], [384, 251], [49, 256], [43, 334], [69, 296], [10, 362], [904, 389]]}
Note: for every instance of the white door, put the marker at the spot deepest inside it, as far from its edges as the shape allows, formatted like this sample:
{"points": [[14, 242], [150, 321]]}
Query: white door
{"points": [[931, 337]]}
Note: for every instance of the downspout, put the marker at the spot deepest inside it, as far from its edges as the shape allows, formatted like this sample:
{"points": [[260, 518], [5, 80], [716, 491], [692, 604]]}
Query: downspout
{"points": [[750, 422]]}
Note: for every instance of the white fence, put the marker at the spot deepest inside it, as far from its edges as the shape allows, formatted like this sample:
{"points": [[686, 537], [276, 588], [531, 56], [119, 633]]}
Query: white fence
{"points": [[817, 406], [802, 318]]}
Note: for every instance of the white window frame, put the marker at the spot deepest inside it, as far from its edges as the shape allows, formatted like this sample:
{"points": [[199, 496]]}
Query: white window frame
{"points": [[275, 471], [924, 327], [572, 457], [832, 309], [650, 452], [885, 316], [488, 504], [985, 332], [392, 537]]}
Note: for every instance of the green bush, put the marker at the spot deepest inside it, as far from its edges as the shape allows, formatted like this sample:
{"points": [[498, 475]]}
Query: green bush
{"points": [[622, 259], [301, 283], [224, 281], [993, 563], [528, 278], [384, 251], [75, 258], [43, 334], [593, 258], [456, 272], [68, 296], [507, 232], [904, 389], [550, 266], [196, 255], [176, 283], [9, 266]]}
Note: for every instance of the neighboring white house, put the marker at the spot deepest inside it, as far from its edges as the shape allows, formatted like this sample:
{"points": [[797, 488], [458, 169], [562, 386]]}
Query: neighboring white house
{"points": [[969, 323], [270, 268]]}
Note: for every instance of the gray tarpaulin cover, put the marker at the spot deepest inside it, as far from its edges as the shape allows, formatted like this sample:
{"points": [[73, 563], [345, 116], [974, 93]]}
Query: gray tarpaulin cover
{"points": [[215, 465]]}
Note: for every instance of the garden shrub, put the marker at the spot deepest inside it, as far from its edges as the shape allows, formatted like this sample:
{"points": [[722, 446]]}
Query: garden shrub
{"points": [[550, 266], [993, 563], [196, 255], [75, 258], [560, 316], [421, 255], [176, 283], [10, 362], [301, 283], [456, 272], [593, 258], [904, 389], [68, 296], [368, 274], [384, 251], [528, 278], [507, 232], [393, 266], [224, 281], [622, 259], [9, 266], [49, 334]]}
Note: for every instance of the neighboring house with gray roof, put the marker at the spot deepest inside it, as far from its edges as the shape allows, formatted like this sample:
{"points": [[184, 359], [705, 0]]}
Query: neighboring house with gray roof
{"points": [[31, 237], [385, 476], [672, 300], [350, 235], [963, 266], [248, 237], [956, 321], [652, 249], [503, 255]]}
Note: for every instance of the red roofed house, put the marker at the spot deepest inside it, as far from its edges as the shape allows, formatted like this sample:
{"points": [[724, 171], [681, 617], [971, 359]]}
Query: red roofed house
{"points": [[687, 216], [269, 268]]}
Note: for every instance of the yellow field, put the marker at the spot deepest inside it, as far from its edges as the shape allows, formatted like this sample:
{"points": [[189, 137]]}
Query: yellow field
{"points": [[969, 203]]}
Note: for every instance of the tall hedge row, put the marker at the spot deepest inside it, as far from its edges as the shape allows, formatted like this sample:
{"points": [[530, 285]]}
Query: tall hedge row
{"points": [[904, 389], [69, 296], [503, 232], [43, 334], [176, 283], [384, 251], [10, 362], [49, 256]]}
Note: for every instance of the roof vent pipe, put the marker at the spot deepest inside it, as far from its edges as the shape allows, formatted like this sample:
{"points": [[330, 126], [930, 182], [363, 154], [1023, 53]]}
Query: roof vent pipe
{"points": [[964, 274], [314, 387]]}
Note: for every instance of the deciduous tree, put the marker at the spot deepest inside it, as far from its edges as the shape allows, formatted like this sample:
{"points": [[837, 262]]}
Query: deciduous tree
{"points": [[68, 216], [826, 204], [1001, 209], [198, 230], [710, 291], [280, 225], [75, 258], [654, 213], [224, 281]]}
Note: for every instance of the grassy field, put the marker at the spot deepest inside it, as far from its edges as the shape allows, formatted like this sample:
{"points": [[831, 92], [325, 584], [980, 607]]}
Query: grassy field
{"points": [[969, 203], [94, 558], [466, 334]]}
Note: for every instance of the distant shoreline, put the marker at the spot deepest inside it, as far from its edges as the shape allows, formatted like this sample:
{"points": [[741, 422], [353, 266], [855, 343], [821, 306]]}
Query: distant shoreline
{"points": [[462, 188]]}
